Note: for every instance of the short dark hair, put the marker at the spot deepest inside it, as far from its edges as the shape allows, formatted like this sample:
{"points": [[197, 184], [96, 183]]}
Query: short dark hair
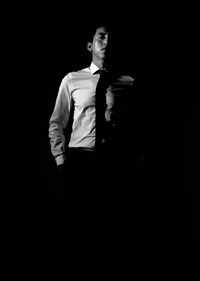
{"points": [[93, 28]]}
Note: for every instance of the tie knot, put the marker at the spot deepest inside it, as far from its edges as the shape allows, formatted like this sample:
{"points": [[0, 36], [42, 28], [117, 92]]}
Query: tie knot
{"points": [[101, 71]]}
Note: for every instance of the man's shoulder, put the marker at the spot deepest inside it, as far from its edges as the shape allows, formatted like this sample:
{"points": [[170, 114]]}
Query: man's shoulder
{"points": [[74, 74], [77, 73]]}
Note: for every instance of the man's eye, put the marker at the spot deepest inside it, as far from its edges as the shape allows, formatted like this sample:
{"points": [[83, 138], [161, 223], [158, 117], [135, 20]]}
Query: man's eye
{"points": [[100, 37]]}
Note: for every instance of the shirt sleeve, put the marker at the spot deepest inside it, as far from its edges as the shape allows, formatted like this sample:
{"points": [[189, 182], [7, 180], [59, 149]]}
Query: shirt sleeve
{"points": [[59, 120], [119, 91]]}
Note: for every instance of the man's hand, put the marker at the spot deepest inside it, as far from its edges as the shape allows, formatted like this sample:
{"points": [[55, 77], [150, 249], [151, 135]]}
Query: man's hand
{"points": [[61, 167]]}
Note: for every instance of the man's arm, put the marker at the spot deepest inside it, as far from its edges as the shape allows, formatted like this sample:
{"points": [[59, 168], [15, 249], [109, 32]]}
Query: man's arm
{"points": [[121, 90], [59, 120]]}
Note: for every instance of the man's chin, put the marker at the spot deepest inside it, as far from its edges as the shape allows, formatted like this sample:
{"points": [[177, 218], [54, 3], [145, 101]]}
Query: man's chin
{"points": [[102, 56]]}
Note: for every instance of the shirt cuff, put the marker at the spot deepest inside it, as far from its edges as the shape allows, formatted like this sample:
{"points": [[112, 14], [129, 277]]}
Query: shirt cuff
{"points": [[60, 160]]}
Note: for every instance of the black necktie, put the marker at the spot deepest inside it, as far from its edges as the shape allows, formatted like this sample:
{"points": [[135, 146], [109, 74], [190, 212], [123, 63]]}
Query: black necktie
{"points": [[101, 105]]}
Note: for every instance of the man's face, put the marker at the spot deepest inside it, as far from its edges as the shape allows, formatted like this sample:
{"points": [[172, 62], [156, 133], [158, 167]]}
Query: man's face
{"points": [[99, 43]]}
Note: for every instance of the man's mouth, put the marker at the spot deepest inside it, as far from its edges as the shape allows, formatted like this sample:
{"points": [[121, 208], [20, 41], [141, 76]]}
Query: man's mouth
{"points": [[103, 49]]}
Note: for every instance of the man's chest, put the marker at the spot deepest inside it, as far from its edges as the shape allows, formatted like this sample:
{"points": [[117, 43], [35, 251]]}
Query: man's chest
{"points": [[84, 94]]}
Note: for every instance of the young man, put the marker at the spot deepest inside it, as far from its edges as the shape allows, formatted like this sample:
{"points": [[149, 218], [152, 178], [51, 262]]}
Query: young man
{"points": [[83, 157]]}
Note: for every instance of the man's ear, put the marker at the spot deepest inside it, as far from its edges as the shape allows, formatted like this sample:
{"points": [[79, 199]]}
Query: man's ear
{"points": [[89, 46]]}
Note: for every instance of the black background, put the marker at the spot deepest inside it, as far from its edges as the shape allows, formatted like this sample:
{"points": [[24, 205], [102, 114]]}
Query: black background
{"points": [[46, 44]]}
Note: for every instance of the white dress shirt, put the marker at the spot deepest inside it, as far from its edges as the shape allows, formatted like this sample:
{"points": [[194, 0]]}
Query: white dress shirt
{"points": [[77, 91]]}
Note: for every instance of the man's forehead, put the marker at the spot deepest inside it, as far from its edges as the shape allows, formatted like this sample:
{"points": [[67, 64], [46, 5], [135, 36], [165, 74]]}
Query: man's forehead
{"points": [[101, 30]]}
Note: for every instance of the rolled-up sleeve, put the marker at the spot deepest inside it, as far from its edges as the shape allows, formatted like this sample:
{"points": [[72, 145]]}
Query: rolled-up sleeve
{"points": [[59, 120]]}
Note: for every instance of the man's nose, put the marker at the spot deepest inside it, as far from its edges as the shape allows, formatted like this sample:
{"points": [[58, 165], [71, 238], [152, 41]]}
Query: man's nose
{"points": [[105, 40]]}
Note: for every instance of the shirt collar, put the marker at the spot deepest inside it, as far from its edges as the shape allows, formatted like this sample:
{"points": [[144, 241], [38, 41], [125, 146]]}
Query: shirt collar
{"points": [[93, 68]]}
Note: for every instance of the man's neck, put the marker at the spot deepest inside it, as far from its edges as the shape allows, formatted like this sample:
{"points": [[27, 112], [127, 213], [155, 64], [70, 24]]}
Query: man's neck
{"points": [[99, 63]]}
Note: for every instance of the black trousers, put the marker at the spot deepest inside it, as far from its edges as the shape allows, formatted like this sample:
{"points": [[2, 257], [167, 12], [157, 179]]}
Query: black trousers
{"points": [[98, 199], [86, 184]]}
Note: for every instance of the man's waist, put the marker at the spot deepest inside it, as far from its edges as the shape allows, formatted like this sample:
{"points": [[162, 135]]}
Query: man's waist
{"points": [[87, 149]]}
